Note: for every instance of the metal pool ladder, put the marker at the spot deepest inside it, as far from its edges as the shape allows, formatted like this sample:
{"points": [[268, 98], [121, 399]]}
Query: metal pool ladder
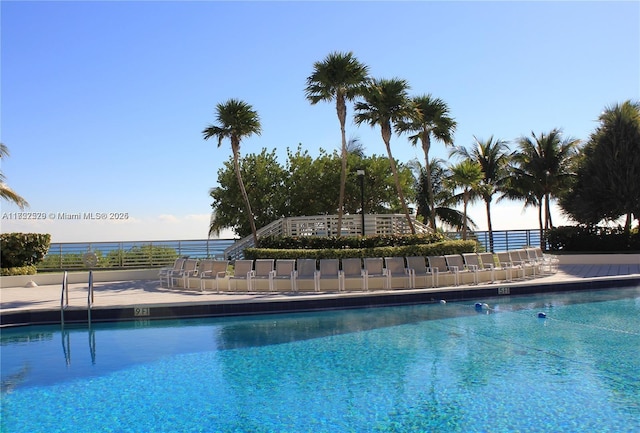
{"points": [[64, 298], [64, 304]]}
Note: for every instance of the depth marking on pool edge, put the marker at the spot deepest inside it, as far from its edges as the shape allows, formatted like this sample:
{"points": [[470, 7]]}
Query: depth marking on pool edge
{"points": [[141, 311], [504, 291]]}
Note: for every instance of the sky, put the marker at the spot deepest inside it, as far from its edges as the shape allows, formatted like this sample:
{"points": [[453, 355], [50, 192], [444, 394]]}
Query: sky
{"points": [[103, 103]]}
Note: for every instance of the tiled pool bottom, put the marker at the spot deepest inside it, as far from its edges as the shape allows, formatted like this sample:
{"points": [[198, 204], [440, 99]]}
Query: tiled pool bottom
{"points": [[424, 368]]}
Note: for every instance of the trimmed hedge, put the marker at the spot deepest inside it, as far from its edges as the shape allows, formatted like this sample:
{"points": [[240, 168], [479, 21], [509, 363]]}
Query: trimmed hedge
{"points": [[21, 270], [433, 249], [342, 242]]}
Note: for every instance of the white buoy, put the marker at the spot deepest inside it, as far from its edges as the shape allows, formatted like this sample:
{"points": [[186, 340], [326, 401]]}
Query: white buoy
{"points": [[31, 284], [442, 301]]}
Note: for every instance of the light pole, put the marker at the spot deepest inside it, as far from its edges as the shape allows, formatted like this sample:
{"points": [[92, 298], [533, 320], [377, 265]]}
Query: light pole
{"points": [[361, 176]]}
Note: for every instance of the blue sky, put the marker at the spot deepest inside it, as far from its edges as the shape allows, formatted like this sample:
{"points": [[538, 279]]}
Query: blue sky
{"points": [[103, 103]]}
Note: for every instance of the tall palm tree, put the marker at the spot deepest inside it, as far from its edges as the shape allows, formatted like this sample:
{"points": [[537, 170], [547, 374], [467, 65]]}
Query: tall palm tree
{"points": [[5, 191], [542, 170], [340, 77], [236, 120], [431, 119], [466, 175], [493, 157], [386, 104]]}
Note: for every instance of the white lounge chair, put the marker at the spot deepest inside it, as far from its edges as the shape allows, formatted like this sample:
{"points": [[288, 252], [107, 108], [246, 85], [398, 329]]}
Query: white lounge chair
{"points": [[306, 271], [352, 270], [329, 276], [243, 270], [506, 264], [165, 274], [262, 269], [456, 264], [374, 270], [189, 269], [487, 262], [214, 270], [285, 270], [396, 269], [418, 272], [438, 265]]}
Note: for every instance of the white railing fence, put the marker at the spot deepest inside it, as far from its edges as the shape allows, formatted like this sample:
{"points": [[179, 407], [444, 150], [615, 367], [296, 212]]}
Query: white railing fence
{"points": [[327, 225]]}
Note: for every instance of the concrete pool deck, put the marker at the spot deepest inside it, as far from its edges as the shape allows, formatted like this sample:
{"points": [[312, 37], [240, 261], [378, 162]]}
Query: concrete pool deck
{"points": [[145, 299]]}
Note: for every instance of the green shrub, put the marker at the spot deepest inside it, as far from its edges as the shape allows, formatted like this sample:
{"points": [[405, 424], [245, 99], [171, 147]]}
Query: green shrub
{"points": [[146, 255], [23, 249], [433, 249], [592, 238], [344, 242], [19, 270]]}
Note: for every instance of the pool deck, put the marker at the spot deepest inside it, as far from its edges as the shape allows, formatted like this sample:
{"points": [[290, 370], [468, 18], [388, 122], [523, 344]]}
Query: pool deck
{"points": [[145, 299]]}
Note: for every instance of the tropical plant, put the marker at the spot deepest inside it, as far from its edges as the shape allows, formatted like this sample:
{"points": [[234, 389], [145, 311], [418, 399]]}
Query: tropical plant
{"points": [[5, 191], [386, 104], [340, 77], [493, 158], [541, 169], [467, 176], [23, 249], [312, 184], [266, 189], [236, 120], [607, 185], [430, 119], [450, 218], [304, 186]]}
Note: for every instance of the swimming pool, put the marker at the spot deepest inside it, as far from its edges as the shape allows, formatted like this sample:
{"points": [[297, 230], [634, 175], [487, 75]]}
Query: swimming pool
{"points": [[439, 367]]}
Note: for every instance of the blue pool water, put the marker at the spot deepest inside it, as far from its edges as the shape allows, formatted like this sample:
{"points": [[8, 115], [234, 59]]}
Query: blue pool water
{"points": [[424, 368]]}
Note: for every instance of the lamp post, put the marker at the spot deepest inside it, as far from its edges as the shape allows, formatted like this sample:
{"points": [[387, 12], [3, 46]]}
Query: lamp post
{"points": [[361, 176]]}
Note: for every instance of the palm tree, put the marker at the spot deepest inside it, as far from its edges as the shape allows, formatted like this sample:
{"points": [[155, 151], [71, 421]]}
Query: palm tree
{"points": [[467, 175], [542, 170], [236, 120], [340, 77], [5, 191], [449, 217], [493, 158], [386, 104], [431, 119]]}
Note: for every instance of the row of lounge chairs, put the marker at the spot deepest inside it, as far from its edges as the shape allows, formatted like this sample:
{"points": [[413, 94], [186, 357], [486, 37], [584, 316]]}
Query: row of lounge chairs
{"points": [[359, 274]]}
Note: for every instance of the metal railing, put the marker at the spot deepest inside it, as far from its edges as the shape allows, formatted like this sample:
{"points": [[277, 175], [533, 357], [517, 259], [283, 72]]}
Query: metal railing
{"points": [[128, 255], [503, 240], [148, 254]]}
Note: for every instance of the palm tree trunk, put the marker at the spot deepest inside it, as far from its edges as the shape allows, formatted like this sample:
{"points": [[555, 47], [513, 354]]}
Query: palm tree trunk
{"points": [[548, 207], [386, 137], [426, 145], [465, 202], [245, 196], [540, 204], [489, 225], [341, 108]]}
